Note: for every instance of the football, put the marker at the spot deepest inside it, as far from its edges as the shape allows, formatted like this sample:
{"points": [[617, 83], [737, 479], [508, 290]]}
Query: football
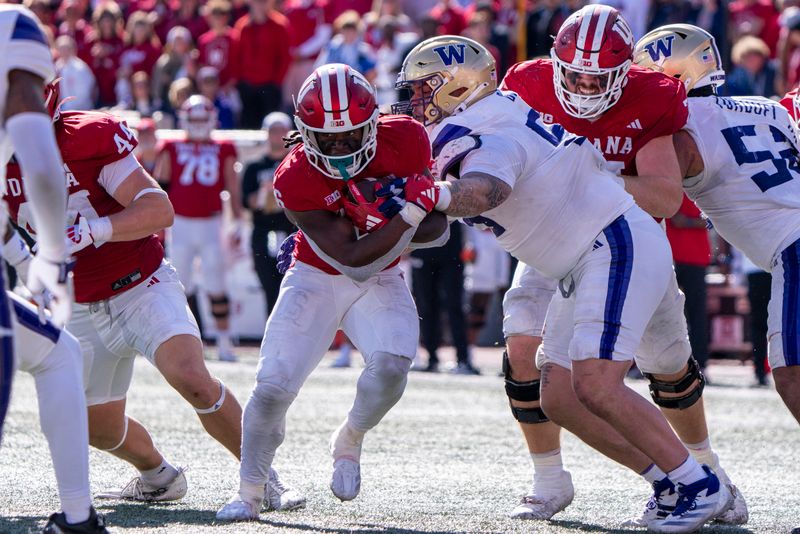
{"points": [[431, 227]]}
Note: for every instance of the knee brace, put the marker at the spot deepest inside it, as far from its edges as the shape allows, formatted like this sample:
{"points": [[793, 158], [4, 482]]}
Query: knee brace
{"points": [[217, 405], [522, 392], [220, 307], [687, 394]]}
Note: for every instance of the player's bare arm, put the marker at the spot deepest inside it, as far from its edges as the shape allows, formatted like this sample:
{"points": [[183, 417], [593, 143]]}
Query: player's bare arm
{"points": [[689, 159], [147, 208], [657, 188], [336, 236], [474, 194]]}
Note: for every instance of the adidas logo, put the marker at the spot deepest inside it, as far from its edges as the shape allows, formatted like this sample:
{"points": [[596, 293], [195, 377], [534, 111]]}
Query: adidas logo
{"points": [[153, 281], [597, 244], [371, 222], [430, 193], [635, 125]]}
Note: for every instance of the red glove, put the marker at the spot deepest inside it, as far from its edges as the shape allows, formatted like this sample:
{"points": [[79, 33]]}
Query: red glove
{"points": [[366, 216], [422, 191]]}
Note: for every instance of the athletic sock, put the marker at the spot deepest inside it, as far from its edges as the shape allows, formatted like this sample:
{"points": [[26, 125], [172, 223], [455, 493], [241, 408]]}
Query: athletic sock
{"points": [[161, 476], [653, 473], [703, 453], [687, 473], [547, 467]]}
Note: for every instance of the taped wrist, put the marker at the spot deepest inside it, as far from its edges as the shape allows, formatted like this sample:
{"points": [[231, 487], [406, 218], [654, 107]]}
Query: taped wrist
{"points": [[101, 229], [412, 214], [445, 196]]}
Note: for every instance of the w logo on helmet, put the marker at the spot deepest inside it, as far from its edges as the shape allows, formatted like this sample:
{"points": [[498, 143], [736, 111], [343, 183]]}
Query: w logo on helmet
{"points": [[450, 53], [662, 47]]}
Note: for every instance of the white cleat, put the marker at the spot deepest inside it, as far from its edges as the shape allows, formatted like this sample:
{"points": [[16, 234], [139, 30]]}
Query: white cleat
{"points": [[346, 451], [238, 509], [545, 502], [138, 490], [279, 497], [697, 503], [660, 503], [346, 479], [737, 514]]}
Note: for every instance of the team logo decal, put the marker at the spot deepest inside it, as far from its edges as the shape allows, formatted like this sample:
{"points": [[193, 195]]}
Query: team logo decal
{"points": [[662, 47], [450, 53]]}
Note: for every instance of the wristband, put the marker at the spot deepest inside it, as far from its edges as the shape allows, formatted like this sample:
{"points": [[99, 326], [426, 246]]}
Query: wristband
{"points": [[101, 229], [412, 214], [15, 250], [445, 196]]}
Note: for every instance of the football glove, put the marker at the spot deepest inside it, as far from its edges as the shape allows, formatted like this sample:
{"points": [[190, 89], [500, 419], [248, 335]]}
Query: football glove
{"points": [[50, 283], [86, 232], [284, 257], [365, 216]]}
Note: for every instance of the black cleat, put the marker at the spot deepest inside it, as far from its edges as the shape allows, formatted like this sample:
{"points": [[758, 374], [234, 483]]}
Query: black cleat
{"points": [[96, 524]]}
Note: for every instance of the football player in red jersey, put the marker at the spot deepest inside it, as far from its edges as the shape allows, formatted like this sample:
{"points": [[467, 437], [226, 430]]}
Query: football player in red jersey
{"points": [[791, 101], [590, 88], [129, 301], [197, 170], [337, 281]]}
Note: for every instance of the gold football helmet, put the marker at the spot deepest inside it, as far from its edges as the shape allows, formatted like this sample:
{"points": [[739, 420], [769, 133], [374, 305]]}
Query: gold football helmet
{"points": [[445, 75], [682, 51]]}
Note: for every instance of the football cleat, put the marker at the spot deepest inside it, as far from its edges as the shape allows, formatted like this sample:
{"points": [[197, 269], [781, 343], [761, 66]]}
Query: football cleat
{"points": [[660, 503], [346, 452], [57, 524], [238, 509], [279, 497], [737, 514], [697, 503], [138, 490], [545, 502]]}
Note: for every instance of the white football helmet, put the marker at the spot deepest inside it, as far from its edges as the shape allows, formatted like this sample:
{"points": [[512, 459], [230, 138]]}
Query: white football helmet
{"points": [[197, 117]]}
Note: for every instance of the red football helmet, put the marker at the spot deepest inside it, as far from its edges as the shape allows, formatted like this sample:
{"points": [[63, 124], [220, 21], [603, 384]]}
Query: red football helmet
{"points": [[197, 117], [337, 99], [596, 41]]}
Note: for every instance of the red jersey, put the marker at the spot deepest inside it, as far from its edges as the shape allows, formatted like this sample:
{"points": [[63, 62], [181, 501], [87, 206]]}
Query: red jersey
{"points": [[403, 149], [197, 175], [90, 140], [787, 102], [304, 17], [652, 105], [690, 246], [217, 51]]}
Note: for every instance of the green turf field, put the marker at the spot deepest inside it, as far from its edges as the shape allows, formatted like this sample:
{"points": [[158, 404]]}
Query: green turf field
{"points": [[448, 458]]}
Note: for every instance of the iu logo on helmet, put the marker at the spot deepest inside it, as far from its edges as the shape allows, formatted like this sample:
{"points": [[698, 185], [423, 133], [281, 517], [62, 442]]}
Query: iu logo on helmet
{"points": [[662, 47], [450, 53]]}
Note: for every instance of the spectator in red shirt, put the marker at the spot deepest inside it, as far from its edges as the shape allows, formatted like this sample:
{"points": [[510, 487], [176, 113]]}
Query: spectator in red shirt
{"points": [[172, 64], [337, 7], [450, 15], [216, 45], [104, 50], [691, 250], [310, 32], [45, 10], [73, 24], [755, 17], [142, 47], [163, 19], [262, 59], [188, 15]]}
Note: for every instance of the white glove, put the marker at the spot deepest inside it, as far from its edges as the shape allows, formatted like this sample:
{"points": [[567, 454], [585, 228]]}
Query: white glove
{"points": [[51, 285], [86, 232]]}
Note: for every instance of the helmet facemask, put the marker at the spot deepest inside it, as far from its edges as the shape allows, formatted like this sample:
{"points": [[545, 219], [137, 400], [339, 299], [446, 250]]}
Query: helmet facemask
{"points": [[582, 106], [340, 166]]}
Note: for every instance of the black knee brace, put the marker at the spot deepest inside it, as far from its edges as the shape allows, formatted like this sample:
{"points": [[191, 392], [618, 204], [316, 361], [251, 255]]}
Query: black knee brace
{"points": [[523, 392], [220, 307], [686, 399]]}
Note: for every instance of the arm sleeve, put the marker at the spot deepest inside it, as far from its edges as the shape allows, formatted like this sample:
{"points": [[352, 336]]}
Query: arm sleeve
{"points": [[502, 158], [45, 184], [113, 174], [362, 274]]}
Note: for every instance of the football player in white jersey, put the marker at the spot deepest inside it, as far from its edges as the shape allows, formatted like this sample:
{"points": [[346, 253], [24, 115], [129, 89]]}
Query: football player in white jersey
{"points": [[553, 204], [51, 355], [739, 159]]}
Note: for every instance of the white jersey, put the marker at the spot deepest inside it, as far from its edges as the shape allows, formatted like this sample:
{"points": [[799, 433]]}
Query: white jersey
{"points": [[23, 46], [750, 186], [563, 196]]}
